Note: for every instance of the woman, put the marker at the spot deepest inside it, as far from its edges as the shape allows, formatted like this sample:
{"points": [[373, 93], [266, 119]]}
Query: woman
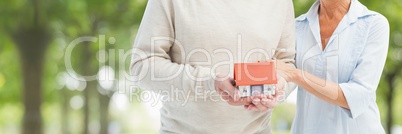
{"points": [[341, 51]]}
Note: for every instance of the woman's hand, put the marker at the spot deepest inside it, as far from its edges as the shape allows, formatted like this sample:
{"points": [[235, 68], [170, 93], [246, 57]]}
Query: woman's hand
{"points": [[323, 89], [288, 73]]}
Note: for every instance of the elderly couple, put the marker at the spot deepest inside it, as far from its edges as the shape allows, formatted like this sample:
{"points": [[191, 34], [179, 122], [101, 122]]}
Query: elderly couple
{"points": [[335, 53]]}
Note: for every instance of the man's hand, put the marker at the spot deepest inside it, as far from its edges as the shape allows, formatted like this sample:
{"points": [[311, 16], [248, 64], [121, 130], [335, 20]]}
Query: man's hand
{"points": [[228, 92], [263, 103]]}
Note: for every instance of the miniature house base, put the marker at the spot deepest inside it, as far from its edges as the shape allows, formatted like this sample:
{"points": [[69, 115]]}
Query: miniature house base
{"points": [[267, 89]]}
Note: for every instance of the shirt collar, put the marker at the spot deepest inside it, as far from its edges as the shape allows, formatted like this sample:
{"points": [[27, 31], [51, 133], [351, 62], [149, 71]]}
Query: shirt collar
{"points": [[356, 11]]}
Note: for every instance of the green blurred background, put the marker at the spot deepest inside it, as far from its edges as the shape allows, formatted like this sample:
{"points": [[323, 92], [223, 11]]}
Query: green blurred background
{"points": [[37, 94]]}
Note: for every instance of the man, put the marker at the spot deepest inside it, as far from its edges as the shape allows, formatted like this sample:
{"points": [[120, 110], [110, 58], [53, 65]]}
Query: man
{"points": [[185, 50]]}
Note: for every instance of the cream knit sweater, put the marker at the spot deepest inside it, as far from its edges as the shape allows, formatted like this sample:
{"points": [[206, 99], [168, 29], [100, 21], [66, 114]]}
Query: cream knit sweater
{"points": [[181, 44]]}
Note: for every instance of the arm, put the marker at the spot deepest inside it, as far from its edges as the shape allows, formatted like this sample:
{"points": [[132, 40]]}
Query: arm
{"points": [[152, 65], [325, 90], [356, 94]]}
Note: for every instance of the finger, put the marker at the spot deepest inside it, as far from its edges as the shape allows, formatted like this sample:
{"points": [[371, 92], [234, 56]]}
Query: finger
{"points": [[269, 101], [252, 107], [268, 97], [246, 100], [219, 91], [246, 106], [225, 96], [258, 104], [279, 64], [281, 82], [280, 91], [280, 86], [233, 92], [282, 63], [241, 101], [232, 102], [222, 94]]}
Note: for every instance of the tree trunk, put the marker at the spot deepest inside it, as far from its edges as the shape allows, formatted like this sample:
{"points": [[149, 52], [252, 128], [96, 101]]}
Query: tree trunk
{"points": [[389, 100], [389, 120], [86, 69], [104, 113], [64, 111], [86, 110], [32, 98], [32, 44]]}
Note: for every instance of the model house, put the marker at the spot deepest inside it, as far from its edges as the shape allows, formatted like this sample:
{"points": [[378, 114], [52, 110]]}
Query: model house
{"points": [[255, 78]]}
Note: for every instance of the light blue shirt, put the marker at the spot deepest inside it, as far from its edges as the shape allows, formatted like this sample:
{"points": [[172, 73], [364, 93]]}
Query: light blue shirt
{"points": [[354, 58]]}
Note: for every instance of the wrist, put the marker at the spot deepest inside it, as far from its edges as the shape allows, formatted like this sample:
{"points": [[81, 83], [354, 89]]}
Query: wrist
{"points": [[296, 76]]}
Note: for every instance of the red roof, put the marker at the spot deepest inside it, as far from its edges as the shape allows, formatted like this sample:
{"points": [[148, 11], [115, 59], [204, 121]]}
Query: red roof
{"points": [[255, 73]]}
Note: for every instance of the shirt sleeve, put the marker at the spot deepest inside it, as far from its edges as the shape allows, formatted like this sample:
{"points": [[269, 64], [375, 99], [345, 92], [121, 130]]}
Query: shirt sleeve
{"points": [[360, 90], [287, 43], [152, 66]]}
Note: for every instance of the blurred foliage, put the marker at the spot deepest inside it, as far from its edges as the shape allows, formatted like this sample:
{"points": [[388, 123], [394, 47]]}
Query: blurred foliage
{"points": [[68, 20]]}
